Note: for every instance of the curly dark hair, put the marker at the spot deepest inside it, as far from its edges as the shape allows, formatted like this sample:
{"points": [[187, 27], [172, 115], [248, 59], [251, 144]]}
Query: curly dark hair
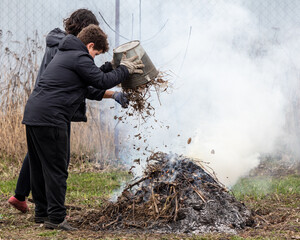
{"points": [[94, 34], [78, 20]]}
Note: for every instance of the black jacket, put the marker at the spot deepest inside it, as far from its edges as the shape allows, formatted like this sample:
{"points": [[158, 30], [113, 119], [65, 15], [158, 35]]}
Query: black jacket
{"points": [[64, 84], [52, 41]]}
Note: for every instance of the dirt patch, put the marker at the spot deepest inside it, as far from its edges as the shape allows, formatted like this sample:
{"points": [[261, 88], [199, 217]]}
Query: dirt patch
{"points": [[276, 216], [275, 219]]}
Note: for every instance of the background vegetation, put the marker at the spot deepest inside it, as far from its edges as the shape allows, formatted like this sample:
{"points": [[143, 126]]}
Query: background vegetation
{"points": [[19, 66]]}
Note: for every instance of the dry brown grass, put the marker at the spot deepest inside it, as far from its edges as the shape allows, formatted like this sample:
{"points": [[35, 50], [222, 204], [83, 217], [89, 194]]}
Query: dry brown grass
{"points": [[19, 66], [93, 140]]}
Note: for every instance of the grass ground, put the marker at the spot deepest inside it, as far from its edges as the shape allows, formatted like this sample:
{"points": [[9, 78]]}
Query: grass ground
{"points": [[274, 201]]}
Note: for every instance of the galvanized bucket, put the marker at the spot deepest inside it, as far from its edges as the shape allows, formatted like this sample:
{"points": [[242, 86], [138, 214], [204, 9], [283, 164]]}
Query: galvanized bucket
{"points": [[131, 49]]}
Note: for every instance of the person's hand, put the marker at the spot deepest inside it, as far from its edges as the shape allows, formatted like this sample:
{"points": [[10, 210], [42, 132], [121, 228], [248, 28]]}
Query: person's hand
{"points": [[121, 98], [133, 65]]}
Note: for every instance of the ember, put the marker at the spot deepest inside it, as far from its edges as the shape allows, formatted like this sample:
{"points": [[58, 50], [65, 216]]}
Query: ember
{"points": [[174, 195]]}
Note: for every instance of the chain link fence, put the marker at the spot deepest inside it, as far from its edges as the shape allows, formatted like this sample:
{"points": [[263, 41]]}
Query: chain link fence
{"points": [[154, 23], [138, 19]]}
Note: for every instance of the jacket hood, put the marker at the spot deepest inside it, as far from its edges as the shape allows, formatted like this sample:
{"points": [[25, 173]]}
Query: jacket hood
{"points": [[70, 42], [54, 37]]}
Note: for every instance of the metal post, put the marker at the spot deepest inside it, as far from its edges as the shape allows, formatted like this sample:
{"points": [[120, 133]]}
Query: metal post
{"points": [[117, 23], [140, 20], [117, 43]]}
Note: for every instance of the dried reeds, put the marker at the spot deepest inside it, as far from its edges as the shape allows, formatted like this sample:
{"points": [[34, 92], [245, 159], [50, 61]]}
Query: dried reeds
{"points": [[19, 63]]}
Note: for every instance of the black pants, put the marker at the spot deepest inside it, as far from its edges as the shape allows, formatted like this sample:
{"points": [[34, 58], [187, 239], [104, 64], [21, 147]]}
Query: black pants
{"points": [[23, 184], [48, 160]]}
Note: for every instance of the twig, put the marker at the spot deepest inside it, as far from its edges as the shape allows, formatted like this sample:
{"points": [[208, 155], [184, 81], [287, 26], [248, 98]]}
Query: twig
{"points": [[107, 225], [137, 182], [195, 189], [261, 218], [176, 209], [198, 193], [154, 201], [133, 210], [157, 96]]}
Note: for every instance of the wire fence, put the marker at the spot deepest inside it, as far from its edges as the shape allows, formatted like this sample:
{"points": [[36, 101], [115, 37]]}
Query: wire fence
{"points": [[23, 18], [151, 22], [154, 23]]}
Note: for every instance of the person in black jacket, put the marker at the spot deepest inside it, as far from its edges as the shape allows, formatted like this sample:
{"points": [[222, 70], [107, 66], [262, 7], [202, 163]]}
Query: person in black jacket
{"points": [[49, 110], [73, 25]]}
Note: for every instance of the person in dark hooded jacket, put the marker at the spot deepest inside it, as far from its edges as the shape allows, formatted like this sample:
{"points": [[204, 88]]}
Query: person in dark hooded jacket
{"points": [[49, 110], [73, 25]]}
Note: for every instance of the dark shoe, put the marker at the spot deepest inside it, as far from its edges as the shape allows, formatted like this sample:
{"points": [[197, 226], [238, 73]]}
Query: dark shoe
{"points": [[20, 205], [60, 226], [40, 219]]}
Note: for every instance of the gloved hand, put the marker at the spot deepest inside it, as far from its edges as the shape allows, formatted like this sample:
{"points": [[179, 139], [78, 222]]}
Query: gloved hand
{"points": [[113, 64], [121, 98], [133, 65]]}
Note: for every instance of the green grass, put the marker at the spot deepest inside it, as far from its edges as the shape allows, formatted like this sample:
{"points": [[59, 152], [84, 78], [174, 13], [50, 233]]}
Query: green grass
{"points": [[48, 233], [7, 187], [90, 188], [259, 188], [83, 188]]}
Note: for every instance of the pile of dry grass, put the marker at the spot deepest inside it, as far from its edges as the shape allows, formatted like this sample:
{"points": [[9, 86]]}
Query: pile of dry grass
{"points": [[176, 194]]}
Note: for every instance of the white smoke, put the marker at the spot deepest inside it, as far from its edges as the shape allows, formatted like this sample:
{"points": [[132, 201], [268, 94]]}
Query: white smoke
{"points": [[235, 74], [228, 91]]}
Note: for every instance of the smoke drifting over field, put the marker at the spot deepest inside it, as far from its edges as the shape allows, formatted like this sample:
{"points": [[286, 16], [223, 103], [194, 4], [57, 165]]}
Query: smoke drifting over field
{"points": [[232, 85], [235, 74]]}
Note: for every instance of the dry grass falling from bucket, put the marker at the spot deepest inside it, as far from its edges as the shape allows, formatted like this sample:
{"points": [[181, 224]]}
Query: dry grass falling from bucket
{"points": [[139, 97]]}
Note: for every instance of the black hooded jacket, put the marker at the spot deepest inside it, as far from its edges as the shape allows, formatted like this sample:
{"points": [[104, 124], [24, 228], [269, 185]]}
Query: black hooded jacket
{"points": [[64, 84], [52, 41]]}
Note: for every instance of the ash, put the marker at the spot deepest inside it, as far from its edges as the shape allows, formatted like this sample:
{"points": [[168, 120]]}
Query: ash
{"points": [[175, 195]]}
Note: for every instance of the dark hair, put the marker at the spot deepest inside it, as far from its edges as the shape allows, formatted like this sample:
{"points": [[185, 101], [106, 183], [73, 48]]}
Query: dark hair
{"points": [[94, 34], [78, 20]]}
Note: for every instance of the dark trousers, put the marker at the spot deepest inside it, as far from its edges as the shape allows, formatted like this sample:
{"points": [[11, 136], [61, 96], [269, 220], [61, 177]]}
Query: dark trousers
{"points": [[48, 160], [23, 183]]}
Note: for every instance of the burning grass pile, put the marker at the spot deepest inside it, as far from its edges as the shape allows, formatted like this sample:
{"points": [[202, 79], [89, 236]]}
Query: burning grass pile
{"points": [[175, 195]]}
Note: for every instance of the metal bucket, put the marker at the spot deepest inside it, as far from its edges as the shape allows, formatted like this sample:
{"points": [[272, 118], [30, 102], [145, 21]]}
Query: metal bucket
{"points": [[131, 49]]}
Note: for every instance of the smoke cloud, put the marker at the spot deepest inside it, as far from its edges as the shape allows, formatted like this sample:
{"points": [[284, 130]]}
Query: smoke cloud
{"points": [[232, 83], [234, 66]]}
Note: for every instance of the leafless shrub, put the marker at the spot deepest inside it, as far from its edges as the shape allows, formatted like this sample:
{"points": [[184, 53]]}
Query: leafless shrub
{"points": [[19, 65]]}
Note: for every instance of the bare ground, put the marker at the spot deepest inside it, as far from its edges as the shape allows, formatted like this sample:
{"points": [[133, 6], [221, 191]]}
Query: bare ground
{"points": [[277, 217]]}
